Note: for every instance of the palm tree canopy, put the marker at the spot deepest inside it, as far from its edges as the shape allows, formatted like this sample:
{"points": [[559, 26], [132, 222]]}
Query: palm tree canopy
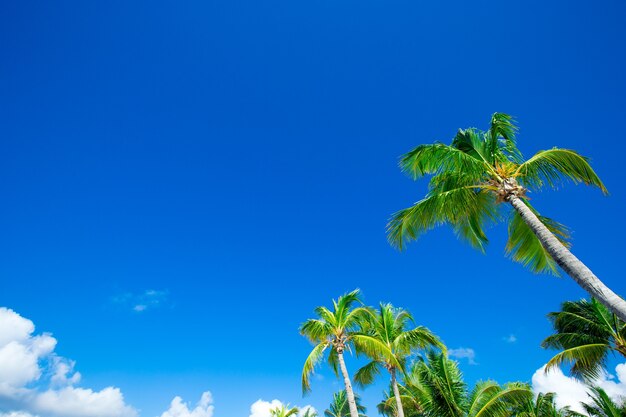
{"points": [[441, 392], [586, 332], [284, 411], [542, 406], [336, 330], [339, 406], [472, 175], [389, 325]]}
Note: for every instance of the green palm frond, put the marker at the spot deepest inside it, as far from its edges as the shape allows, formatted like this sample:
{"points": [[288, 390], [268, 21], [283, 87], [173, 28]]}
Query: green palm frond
{"points": [[488, 399], [374, 348], [418, 338], [453, 207], [501, 136], [367, 374], [588, 360], [524, 247], [283, 411], [601, 405], [436, 158], [311, 362], [552, 166]]}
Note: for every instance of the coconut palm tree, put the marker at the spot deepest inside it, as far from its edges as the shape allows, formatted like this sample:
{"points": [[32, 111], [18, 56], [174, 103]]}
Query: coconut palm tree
{"points": [[480, 169], [389, 326], [438, 389], [339, 406], [587, 333], [283, 411], [334, 332]]}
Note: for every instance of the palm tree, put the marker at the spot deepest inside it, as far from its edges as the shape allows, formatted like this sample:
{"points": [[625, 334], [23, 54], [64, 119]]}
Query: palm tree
{"points": [[438, 389], [480, 169], [335, 331], [542, 406], [388, 326], [283, 411], [339, 406], [587, 333]]}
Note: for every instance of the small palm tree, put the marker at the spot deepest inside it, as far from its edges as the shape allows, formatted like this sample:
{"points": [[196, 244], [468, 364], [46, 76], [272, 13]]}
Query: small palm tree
{"points": [[339, 406], [283, 411], [480, 169], [440, 391], [388, 326], [335, 331], [587, 333]]}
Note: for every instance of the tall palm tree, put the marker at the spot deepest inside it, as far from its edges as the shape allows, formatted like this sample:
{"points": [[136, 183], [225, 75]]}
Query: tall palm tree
{"points": [[334, 331], [389, 326], [339, 406], [439, 390], [283, 411], [587, 333], [480, 169]]}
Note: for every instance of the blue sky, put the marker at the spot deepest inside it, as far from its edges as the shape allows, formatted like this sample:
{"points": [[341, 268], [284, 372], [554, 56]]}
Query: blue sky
{"points": [[225, 167]]}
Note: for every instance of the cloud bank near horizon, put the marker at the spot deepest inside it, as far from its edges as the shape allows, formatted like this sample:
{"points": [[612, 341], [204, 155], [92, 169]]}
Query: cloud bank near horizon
{"points": [[36, 382]]}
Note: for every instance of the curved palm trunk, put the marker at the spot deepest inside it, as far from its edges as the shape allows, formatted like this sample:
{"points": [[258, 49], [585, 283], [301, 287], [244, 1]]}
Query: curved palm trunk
{"points": [[346, 380], [570, 264], [396, 393]]}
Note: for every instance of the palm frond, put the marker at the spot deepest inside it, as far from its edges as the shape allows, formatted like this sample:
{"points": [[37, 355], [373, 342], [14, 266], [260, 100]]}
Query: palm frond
{"points": [[553, 166], [588, 360], [311, 362], [437, 157], [449, 207], [502, 136], [524, 247], [367, 374]]}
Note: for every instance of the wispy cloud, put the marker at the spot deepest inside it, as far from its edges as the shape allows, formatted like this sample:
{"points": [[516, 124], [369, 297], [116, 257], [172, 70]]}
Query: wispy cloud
{"points": [[147, 300], [510, 338], [463, 353]]}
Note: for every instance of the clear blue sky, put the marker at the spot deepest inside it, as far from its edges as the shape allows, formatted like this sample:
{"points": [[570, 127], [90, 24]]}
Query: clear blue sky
{"points": [[240, 159]]}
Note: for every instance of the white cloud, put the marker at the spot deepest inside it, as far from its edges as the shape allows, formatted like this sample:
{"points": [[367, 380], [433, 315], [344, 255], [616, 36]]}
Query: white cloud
{"points": [[510, 338], [463, 353], [262, 408], [570, 391], [178, 408], [34, 380]]}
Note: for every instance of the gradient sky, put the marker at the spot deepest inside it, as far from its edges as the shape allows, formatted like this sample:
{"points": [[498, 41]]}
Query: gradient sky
{"points": [[230, 165]]}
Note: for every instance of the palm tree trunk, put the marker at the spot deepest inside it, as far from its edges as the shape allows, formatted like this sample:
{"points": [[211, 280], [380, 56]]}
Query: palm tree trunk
{"points": [[346, 380], [570, 264], [396, 393]]}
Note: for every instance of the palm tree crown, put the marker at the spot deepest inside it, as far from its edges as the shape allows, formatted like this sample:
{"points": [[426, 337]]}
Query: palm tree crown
{"points": [[480, 169], [438, 390], [283, 411], [339, 406], [389, 326], [587, 333]]}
